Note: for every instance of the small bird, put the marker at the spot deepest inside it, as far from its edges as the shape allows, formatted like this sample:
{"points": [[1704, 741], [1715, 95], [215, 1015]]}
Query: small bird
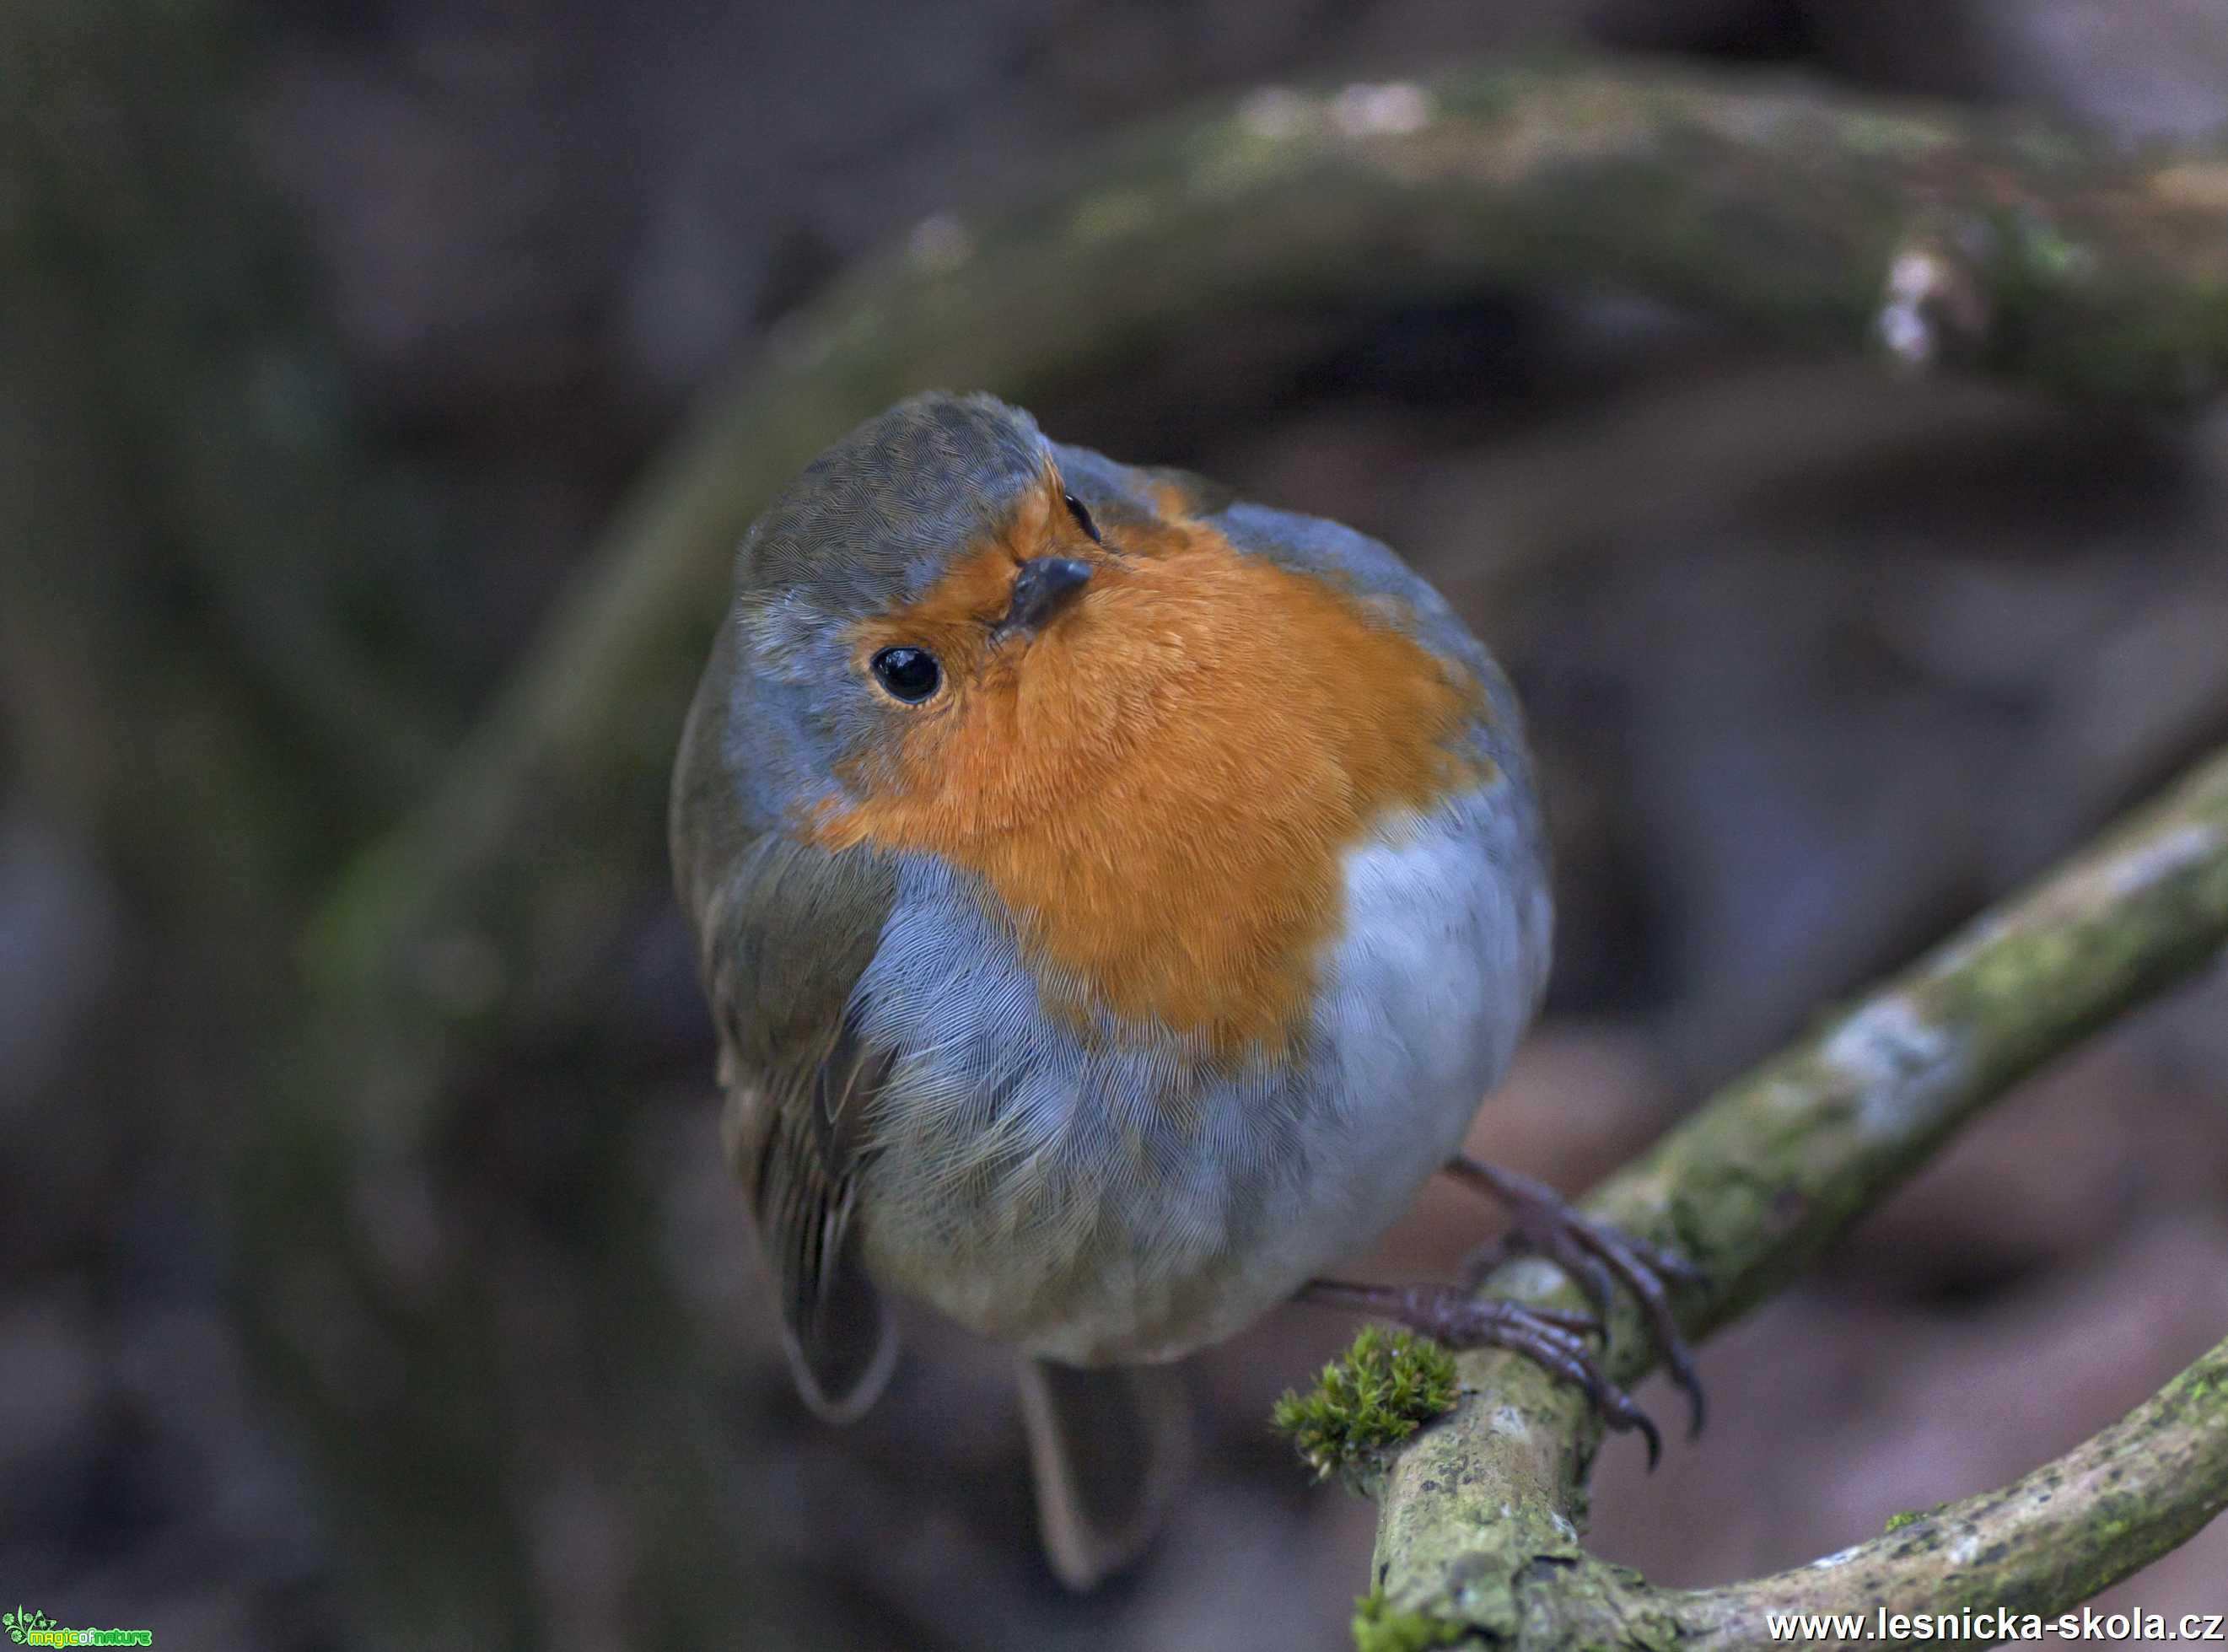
{"points": [[1115, 899]]}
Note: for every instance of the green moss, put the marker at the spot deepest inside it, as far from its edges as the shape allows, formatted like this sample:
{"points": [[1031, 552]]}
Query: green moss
{"points": [[1896, 1523], [1387, 1385], [1379, 1626]]}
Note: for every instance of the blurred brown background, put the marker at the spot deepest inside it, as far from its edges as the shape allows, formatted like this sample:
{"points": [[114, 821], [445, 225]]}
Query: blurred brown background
{"points": [[330, 335]]}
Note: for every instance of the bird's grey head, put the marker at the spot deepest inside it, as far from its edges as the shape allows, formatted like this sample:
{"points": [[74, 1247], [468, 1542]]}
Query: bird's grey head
{"points": [[873, 521], [869, 527]]}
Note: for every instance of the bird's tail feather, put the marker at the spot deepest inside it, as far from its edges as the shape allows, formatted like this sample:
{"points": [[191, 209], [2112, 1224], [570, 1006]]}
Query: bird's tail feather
{"points": [[1108, 1448]]}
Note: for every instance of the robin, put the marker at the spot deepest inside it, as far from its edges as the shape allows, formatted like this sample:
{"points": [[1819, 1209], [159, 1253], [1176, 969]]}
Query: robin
{"points": [[1115, 899]]}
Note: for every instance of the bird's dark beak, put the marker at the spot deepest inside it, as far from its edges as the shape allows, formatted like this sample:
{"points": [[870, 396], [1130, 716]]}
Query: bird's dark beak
{"points": [[1044, 586]]}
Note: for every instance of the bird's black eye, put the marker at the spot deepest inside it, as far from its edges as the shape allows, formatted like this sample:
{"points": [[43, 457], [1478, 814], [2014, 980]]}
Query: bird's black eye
{"points": [[910, 674], [1082, 517]]}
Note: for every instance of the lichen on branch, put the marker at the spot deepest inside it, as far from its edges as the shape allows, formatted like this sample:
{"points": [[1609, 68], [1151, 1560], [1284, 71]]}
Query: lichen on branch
{"points": [[1479, 1515]]}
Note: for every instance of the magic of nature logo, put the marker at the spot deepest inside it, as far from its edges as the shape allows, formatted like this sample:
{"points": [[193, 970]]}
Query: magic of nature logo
{"points": [[28, 1628]]}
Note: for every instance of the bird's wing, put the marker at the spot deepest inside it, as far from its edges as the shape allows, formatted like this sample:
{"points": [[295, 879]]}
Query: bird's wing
{"points": [[785, 930], [793, 1129]]}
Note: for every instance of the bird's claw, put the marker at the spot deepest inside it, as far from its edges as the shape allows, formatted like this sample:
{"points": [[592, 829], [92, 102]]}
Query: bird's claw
{"points": [[1554, 1339], [1551, 1339], [1597, 1257]]}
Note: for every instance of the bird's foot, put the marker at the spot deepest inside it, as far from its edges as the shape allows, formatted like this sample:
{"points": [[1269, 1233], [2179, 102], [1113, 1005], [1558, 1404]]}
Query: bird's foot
{"points": [[1597, 1256], [1552, 1339]]}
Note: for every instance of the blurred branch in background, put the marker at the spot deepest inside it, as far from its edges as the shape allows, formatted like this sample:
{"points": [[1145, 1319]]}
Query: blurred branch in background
{"points": [[1480, 1515], [2060, 261], [125, 246]]}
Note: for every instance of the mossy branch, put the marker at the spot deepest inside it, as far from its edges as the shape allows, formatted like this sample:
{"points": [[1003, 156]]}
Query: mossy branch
{"points": [[2058, 261], [1480, 1516], [2052, 1539]]}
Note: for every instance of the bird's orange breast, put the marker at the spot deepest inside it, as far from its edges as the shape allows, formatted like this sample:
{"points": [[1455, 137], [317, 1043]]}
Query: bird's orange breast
{"points": [[1159, 787]]}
